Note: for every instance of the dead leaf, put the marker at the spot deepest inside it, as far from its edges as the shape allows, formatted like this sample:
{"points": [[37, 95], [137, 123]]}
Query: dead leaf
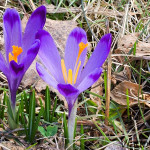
{"points": [[147, 98], [11, 145], [118, 94], [121, 76], [2, 45], [60, 31], [115, 146], [31, 77], [127, 41]]}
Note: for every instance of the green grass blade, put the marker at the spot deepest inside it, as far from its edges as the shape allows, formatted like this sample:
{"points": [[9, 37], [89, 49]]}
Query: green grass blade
{"points": [[2, 108], [121, 121], [47, 105], [106, 138], [94, 94], [18, 113], [139, 92], [31, 146], [26, 102], [9, 109], [54, 108], [134, 48], [22, 116], [82, 147], [41, 103], [36, 124], [61, 1], [31, 115], [66, 135]]}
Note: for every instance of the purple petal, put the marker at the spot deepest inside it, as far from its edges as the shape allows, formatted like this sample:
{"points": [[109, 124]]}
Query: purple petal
{"points": [[70, 93], [31, 54], [12, 30], [89, 80], [35, 23], [98, 56], [67, 90], [49, 55], [13, 82], [3, 65], [46, 76], [72, 48], [14, 78], [16, 69]]}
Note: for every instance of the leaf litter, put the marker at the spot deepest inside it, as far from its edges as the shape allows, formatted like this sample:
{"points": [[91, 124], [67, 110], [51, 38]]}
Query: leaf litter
{"points": [[123, 76]]}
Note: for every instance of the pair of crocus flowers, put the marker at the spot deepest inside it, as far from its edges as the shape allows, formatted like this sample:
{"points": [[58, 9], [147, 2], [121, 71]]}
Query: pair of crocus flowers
{"points": [[66, 75]]}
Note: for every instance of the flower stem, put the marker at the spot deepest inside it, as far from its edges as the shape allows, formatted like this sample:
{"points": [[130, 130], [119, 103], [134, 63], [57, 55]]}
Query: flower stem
{"points": [[11, 111], [71, 124], [12, 120]]}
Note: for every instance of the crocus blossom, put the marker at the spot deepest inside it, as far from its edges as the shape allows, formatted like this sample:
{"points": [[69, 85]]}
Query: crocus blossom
{"points": [[20, 49], [68, 75]]}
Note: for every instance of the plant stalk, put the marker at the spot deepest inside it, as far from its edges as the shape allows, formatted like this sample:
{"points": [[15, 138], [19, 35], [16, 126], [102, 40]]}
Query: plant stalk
{"points": [[108, 80], [71, 124], [11, 110]]}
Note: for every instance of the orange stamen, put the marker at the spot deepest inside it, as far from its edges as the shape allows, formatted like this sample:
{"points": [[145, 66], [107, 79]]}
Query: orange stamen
{"points": [[70, 76], [63, 67], [76, 74], [16, 52], [82, 46]]}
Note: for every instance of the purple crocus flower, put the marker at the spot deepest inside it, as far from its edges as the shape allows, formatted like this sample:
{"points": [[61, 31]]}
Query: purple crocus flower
{"points": [[68, 75], [20, 50]]}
